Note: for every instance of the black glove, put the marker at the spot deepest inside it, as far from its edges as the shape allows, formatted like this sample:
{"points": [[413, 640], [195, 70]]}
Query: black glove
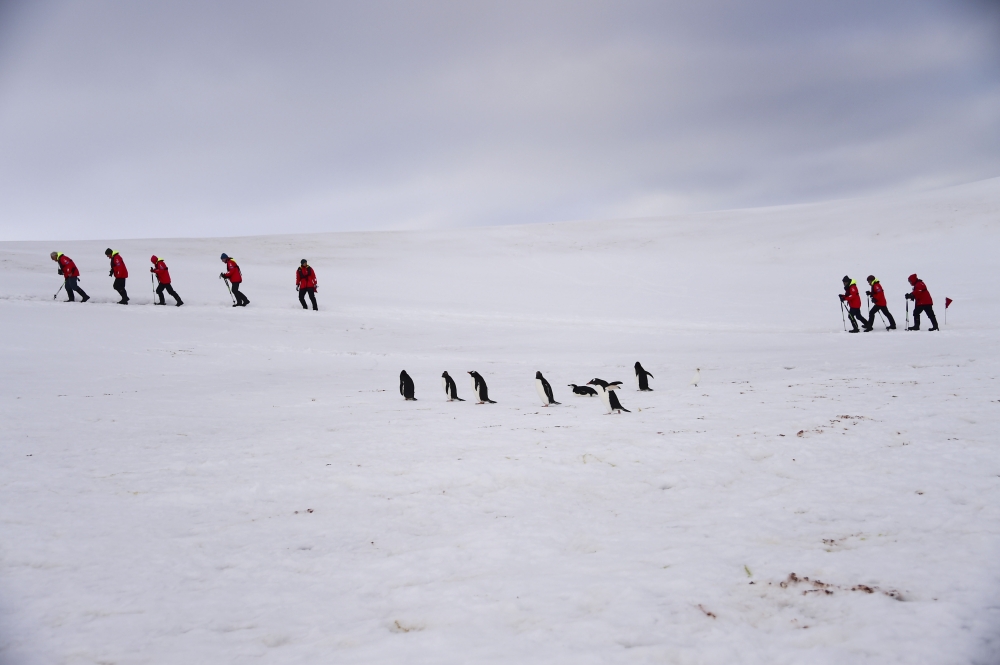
{"points": [[152, 270], [841, 297], [59, 271], [868, 293], [222, 275], [909, 296], [296, 287], [111, 273]]}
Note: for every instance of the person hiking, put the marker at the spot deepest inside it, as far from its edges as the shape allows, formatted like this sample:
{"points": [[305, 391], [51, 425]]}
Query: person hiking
{"points": [[119, 272], [163, 277], [71, 276], [921, 297], [878, 302], [235, 277], [853, 300], [305, 283]]}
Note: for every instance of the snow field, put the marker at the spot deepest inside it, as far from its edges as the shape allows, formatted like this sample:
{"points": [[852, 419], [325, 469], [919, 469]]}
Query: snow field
{"points": [[160, 464]]}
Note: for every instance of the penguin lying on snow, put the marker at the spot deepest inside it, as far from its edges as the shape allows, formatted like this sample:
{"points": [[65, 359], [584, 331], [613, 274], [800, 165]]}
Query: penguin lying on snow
{"points": [[450, 389], [406, 386], [608, 396], [544, 390], [641, 377], [479, 387], [583, 390]]}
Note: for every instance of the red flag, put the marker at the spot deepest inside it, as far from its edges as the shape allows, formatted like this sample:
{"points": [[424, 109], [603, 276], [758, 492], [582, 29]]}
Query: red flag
{"points": [[947, 302]]}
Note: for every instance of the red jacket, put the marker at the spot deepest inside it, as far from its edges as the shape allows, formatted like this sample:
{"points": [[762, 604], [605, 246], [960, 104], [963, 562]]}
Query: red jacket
{"points": [[878, 295], [853, 298], [233, 273], [118, 268], [162, 273], [921, 296], [305, 277], [68, 267]]}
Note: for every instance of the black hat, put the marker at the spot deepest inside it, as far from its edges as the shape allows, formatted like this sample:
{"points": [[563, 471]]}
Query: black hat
{"points": [[303, 262], [846, 278], [108, 252]]}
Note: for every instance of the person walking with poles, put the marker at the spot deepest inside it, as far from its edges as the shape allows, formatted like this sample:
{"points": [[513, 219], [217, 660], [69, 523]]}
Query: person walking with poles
{"points": [[71, 276], [234, 277], [305, 283], [119, 272], [877, 296], [853, 300], [921, 297], [163, 277]]}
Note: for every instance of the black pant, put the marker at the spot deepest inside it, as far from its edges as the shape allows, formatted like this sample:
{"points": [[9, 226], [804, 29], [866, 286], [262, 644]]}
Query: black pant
{"points": [[312, 296], [71, 286], [929, 310], [169, 289], [855, 313], [241, 299], [885, 310], [120, 288]]}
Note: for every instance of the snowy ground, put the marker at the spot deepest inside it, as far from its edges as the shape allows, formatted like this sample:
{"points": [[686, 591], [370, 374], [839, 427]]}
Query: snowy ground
{"points": [[208, 484]]}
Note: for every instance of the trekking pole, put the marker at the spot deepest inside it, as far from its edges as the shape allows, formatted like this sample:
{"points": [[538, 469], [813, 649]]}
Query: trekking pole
{"points": [[842, 315], [907, 313], [152, 284], [59, 291], [228, 289]]}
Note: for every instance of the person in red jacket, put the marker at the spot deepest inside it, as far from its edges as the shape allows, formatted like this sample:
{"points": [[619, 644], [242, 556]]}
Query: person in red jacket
{"points": [[305, 283], [163, 277], [235, 278], [70, 274], [853, 300], [119, 272], [921, 297], [878, 298]]}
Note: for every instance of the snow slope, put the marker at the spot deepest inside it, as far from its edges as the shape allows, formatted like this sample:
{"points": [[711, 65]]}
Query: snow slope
{"points": [[209, 484]]}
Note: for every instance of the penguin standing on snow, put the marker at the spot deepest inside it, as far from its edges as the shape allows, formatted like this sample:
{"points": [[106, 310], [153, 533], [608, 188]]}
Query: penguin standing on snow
{"points": [[608, 396], [583, 390], [450, 389], [544, 390], [479, 387], [642, 377], [406, 386]]}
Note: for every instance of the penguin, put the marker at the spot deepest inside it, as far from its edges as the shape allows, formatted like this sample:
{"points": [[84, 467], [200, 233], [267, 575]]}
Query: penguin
{"points": [[406, 386], [583, 390], [544, 390], [609, 398], [479, 387], [614, 385], [641, 377], [450, 390]]}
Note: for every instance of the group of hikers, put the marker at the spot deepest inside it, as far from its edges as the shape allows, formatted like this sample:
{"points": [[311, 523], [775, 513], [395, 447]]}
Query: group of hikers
{"points": [[920, 296], [305, 279]]}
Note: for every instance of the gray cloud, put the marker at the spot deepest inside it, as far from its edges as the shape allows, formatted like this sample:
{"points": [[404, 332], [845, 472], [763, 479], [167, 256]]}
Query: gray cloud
{"points": [[122, 119]]}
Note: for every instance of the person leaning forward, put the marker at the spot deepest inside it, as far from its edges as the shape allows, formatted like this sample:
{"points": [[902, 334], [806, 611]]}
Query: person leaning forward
{"points": [[70, 274], [877, 294], [235, 278], [853, 300], [163, 277]]}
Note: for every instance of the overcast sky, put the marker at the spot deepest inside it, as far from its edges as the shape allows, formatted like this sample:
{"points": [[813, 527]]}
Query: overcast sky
{"points": [[148, 119]]}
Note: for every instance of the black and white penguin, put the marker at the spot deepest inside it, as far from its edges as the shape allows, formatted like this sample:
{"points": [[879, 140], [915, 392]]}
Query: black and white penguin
{"points": [[544, 390], [406, 386], [583, 390], [608, 396], [642, 377], [450, 389], [604, 384], [479, 387]]}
